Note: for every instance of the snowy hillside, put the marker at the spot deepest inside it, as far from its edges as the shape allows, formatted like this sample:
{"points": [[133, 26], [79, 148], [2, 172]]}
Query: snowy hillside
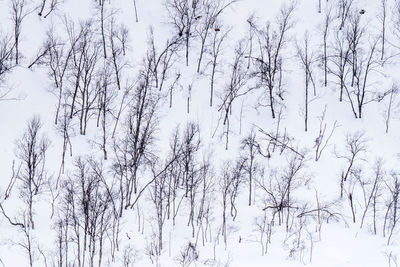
{"points": [[199, 133]]}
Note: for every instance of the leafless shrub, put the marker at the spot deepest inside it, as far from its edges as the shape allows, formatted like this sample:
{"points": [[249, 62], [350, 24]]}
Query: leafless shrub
{"points": [[188, 255]]}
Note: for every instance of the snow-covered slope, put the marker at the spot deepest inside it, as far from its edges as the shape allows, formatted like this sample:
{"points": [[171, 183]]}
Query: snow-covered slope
{"points": [[111, 154]]}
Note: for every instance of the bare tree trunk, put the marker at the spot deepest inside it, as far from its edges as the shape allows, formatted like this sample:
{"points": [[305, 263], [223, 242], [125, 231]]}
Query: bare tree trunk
{"points": [[136, 13], [103, 36], [383, 30]]}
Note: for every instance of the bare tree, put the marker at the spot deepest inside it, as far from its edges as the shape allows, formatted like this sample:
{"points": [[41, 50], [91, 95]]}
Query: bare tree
{"points": [[391, 216], [129, 256], [269, 61], [206, 192], [231, 178], [210, 12], [117, 45], [264, 227], [325, 32], [190, 179], [188, 255], [83, 94], [354, 32], [174, 175], [6, 64], [106, 95], [279, 190], [235, 89], [159, 199], [31, 152], [322, 140], [391, 106], [251, 147], [57, 56], [184, 15], [88, 216], [356, 145], [344, 9], [307, 60], [339, 59], [366, 64], [51, 7], [173, 87], [27, 243], [136, 13], [218, 39], [64, 128], [322, 211], [161, 62], [352, 56], [370, 190], [18, 13], [396, 23], [100, 8], [134, 150], [383, 17]]}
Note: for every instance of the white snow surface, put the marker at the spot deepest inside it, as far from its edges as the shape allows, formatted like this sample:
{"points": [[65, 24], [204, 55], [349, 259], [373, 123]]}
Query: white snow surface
{"points": [[341, 243]]}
